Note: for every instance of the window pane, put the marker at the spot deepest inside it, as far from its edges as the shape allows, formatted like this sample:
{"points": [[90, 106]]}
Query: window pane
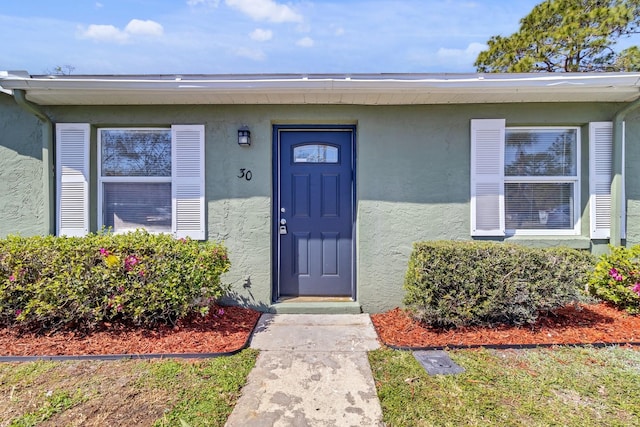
{"points": [[531, 206], [315, 153], [135, 152], [128, 206], [540, 152]]}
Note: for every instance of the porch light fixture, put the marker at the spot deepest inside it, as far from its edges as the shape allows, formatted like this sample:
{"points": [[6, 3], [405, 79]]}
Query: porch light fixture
{"points": [[244, 136]]}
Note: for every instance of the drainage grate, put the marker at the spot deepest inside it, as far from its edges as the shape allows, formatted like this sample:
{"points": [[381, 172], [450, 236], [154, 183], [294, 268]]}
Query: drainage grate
{"points": [[437, 362]]}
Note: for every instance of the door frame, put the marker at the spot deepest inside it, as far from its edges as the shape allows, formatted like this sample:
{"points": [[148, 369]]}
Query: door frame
{"points": [[275, 211]]}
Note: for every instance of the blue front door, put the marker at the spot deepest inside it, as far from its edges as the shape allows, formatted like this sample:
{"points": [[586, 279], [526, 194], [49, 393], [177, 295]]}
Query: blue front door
{"points": [[314, 212]]}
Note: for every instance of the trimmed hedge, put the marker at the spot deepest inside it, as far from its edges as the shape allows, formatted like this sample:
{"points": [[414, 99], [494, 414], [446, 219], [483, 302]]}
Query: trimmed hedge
{"points": [[451, 284], [140, 278], [616, 278]]}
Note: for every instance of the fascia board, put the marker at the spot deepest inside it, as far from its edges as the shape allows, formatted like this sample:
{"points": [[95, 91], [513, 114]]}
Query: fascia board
{"points": [[551, 83], [352, 82]]}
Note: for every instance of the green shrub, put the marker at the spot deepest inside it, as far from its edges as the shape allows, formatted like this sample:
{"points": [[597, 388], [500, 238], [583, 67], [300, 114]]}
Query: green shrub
{"points": [[450, 284], [616, 278], [141, 278]]}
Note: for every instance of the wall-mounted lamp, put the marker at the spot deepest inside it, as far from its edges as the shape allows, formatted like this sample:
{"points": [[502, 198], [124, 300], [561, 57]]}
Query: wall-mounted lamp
{"points": [[244, 136]]}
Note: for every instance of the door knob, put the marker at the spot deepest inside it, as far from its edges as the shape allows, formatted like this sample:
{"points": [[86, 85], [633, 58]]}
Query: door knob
{"points": [[283, 221]]}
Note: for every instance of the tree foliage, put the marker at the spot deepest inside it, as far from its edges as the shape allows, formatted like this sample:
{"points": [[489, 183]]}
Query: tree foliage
{"points": [[568, 36], [61, 70]]}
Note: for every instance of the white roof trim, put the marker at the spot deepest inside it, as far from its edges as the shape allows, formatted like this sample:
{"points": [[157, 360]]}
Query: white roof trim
{"points": [[386, 89], [4, 74]]}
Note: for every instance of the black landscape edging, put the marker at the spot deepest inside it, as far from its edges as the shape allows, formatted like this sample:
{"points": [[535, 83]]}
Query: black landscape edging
{"points": [[132, 356], [511, 346], [124, 356]]}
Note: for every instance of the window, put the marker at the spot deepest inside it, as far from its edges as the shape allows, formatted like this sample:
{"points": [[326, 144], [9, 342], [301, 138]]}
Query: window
{"points": [[541, 179], [135, 179], [527, 180], [315, 153], [151, 178]]}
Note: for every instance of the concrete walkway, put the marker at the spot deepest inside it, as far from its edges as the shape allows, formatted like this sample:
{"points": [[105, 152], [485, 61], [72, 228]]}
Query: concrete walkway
{"points": [[312, 371]]}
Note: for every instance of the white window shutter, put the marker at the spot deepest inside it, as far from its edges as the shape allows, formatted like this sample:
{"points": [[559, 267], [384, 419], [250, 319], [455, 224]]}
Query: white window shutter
{"points": [[72, 178], [187, 181], [600, 161], [487, 177]]}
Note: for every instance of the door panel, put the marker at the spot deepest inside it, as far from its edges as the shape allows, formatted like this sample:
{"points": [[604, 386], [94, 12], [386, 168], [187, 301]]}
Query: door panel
{"points": [[315, 189]]}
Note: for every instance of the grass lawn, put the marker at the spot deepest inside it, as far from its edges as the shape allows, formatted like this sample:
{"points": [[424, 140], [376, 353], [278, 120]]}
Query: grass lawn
{"points": [[123, 393], [560, 386], [543, 387]]}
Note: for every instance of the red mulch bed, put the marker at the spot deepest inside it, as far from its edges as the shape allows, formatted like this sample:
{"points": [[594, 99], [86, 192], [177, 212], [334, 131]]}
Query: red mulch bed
{"points": [[590, 324], [587, 324], [212, 334]]}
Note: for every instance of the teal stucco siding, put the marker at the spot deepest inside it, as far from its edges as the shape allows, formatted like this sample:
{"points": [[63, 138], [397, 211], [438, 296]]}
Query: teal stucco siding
{"points": [[632, 178], [412, 178], [22, 209]]}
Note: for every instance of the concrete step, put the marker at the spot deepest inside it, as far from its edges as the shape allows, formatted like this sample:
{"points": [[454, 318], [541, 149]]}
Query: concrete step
{"points": [[315, 307]]}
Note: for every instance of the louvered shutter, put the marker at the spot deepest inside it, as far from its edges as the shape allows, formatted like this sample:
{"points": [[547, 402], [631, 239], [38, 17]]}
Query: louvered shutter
{"points": [[187, 181], [72, 172], [487, 177], [600, 161]]}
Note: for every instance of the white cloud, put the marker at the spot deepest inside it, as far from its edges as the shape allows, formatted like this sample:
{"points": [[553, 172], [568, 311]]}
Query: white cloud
{"points": [[211, 3], [462, 56], [104, 33], [254, 54], [110, 33], [99, 5], [145, 28], [265, 10], [339, 31], [261, 35], [305, 42]]}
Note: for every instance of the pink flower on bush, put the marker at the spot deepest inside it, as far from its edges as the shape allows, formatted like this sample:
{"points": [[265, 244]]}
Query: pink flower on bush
{"points": [[18, 312], [616, 275], [636, 289], [130, 262], [141, 273], [12, 278], [220, 312], [119, 307], [104, 252]]}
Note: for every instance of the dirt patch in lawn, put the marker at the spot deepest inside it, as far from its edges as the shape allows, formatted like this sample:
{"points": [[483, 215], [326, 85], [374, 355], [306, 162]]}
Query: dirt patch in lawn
{"points": [[86, 394], [583, 324], [225, 329]]}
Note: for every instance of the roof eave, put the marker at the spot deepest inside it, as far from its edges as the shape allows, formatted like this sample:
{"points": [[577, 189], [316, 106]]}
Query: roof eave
{"points": [[332, 89]]}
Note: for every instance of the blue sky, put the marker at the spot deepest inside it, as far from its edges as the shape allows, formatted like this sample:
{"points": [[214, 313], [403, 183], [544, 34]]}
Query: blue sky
{"points": [[252, 36]]}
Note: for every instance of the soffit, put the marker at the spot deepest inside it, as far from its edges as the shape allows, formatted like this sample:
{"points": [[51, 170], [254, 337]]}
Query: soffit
{"points": [[363, 89]]}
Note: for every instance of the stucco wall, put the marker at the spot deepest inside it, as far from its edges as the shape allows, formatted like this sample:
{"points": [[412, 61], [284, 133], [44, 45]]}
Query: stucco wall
{"points": [[414, 174], [21, 171], [412, 178]]}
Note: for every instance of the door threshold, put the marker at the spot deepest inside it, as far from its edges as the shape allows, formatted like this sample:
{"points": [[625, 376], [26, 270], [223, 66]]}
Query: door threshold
{"points": [[316, 305], [288, 300]]}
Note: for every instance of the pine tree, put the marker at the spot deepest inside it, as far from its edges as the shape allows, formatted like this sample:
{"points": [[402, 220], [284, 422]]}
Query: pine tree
{"points": [[567, 36]]}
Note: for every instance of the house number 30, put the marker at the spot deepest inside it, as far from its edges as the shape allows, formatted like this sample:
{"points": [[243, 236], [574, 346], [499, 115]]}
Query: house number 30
{"points": [[246, 174]]}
